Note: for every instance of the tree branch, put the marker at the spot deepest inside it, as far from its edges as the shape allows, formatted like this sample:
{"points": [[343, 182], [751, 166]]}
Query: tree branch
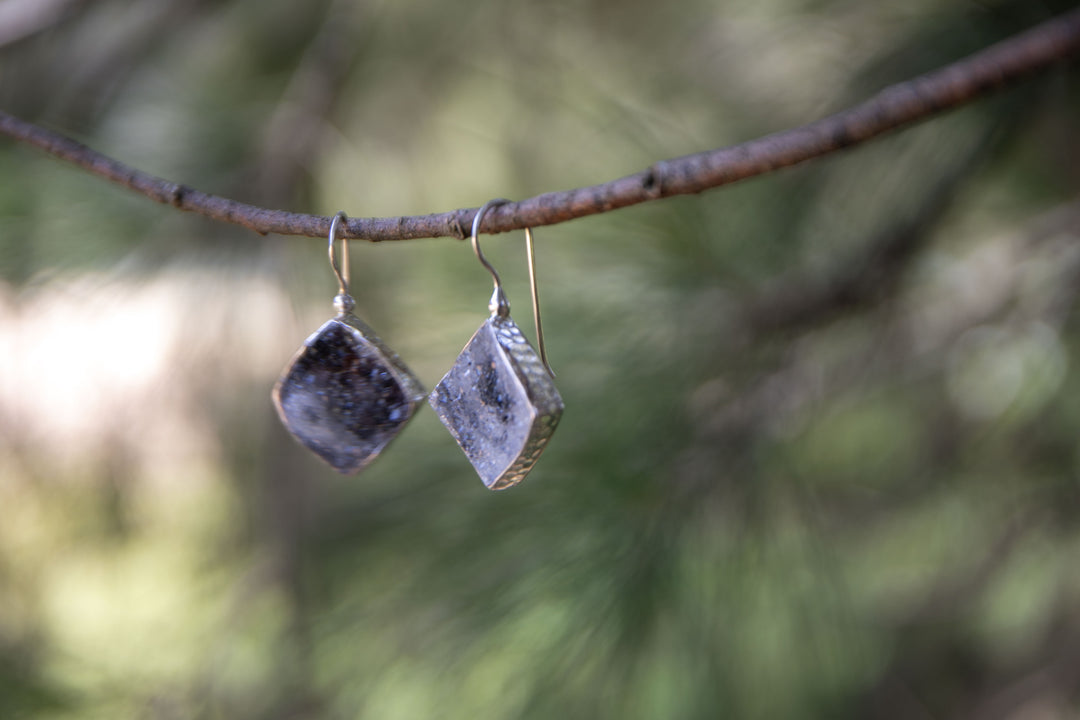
{"points": [[896, 106]]}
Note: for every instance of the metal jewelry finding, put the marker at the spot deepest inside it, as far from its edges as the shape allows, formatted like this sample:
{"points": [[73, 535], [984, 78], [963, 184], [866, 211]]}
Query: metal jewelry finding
{"points": [[345, 395], [499, 400]]}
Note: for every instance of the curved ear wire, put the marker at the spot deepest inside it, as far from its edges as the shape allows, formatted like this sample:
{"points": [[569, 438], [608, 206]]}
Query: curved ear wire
{"points": [[499, 305], [343, 302], [343, 273]]}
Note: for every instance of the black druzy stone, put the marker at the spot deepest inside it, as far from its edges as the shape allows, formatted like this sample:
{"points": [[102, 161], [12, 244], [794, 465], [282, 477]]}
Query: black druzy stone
{"points": [[343, 398]]}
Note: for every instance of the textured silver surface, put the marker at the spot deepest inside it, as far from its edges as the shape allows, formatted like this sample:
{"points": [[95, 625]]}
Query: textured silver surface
{"points": [[499, 403], [345, 395]]}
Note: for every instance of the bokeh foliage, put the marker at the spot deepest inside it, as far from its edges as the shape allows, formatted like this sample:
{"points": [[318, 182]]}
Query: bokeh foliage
{"points": [[819, 456]]}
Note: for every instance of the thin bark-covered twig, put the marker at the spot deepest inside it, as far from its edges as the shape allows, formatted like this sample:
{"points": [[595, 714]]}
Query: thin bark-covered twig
{"points": [[896, 106]]}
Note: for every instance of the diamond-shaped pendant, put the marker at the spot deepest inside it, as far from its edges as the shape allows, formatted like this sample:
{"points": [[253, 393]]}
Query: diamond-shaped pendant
{"points": [[345, 395], [499, 402]]}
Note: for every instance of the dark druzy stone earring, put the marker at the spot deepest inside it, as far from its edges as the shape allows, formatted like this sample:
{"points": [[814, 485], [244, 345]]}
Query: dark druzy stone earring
{"points": [[345, 395]]}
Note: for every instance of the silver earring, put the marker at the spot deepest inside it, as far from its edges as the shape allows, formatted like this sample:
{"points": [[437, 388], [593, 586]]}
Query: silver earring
{"points": [[345, 395], [499, 400]]}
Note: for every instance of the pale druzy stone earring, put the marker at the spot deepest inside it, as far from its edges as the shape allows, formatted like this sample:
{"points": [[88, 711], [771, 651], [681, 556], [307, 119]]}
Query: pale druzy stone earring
{"points": [[499, 400]]}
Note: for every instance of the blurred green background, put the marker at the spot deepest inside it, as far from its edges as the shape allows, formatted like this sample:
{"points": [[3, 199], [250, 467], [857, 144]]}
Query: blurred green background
{"points": [[819, 456]]}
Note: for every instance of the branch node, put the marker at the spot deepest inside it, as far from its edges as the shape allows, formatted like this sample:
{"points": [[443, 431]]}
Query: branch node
{"points": [[176, 194], [454, 226], [652, 183]]}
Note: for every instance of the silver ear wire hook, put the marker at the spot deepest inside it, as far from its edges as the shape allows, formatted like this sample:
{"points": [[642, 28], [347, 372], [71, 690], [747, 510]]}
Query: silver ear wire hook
{"points": [[343, 303], [498, 305]]}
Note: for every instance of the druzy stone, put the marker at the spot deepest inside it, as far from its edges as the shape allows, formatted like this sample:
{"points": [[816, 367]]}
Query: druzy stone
{"points": [[345, 395], [499, 403]]}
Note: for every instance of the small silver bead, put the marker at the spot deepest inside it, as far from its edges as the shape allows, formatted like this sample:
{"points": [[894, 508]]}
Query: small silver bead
{"points": [[344, 304]]}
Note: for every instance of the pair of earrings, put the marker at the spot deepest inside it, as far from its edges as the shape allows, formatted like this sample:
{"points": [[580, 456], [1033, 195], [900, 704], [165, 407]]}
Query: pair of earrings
{"points": [[345, 395]]}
